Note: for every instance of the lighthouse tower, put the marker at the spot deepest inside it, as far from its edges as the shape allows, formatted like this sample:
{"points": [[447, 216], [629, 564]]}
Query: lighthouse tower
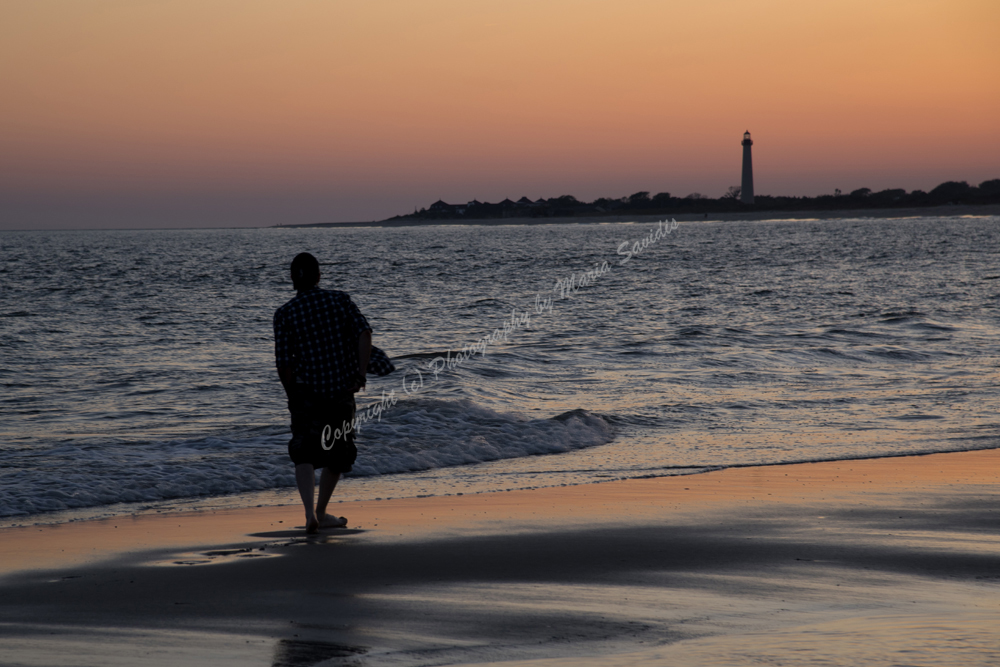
{"points": [[746, 188]]}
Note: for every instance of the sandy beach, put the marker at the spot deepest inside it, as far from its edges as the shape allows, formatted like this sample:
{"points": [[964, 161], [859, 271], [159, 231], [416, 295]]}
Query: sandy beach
{"points": [[876, 562]]}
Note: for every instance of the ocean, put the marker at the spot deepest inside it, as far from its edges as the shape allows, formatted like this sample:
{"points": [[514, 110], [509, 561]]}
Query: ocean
{"points": [[137, 367]]}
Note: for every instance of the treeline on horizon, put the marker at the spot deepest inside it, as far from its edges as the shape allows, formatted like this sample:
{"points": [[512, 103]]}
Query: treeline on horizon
{"points": [[641, 203]]}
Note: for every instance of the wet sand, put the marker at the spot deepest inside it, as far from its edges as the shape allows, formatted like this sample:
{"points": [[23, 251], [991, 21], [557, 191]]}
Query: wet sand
{"points": [[877, 562]]}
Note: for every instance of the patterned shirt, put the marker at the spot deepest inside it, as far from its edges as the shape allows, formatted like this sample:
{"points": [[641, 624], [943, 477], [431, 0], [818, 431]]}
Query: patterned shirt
{"points": [[316, 335]]}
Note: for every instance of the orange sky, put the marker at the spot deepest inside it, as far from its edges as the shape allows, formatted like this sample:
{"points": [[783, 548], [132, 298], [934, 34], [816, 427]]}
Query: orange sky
{"points": [[189, 113]]}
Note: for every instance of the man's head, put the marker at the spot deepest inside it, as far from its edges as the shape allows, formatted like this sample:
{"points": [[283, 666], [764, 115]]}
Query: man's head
{"points": [[305, 271]]}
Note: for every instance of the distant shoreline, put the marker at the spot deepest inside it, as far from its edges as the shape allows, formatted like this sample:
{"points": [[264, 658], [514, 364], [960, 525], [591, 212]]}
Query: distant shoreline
{"points": [[949, 210]]}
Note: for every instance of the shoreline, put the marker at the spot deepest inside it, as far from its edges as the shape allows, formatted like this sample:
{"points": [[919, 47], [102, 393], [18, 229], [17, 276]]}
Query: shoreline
{"points": [[727, 567], [287, 496], [946, 211]]}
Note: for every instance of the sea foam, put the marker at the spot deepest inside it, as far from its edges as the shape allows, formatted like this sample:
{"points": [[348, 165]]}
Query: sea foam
{"points": [[416, 434]]}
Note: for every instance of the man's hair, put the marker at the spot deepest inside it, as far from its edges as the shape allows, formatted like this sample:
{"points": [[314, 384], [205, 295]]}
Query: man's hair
{"points": [[305, 271]]}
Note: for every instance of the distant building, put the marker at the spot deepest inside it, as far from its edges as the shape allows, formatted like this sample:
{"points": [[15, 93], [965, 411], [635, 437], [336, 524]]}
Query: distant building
{"points": [[440, 207], [746, 188]]}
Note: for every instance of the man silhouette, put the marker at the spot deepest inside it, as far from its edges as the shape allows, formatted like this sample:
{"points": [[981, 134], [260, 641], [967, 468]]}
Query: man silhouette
{"points": [[322, 346]]}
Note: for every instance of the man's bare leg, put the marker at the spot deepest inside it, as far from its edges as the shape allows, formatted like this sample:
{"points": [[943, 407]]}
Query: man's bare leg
{"points": [[327, 483], [305, 479]]}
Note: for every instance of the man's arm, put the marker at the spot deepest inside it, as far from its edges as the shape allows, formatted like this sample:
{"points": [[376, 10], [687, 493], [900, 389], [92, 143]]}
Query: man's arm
{"points": [[287, 377], [282, 353], [364, 352]]}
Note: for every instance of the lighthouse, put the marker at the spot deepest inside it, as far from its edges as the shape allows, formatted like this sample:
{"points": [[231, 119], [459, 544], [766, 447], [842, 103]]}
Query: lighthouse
{"points": [[746, 189]]}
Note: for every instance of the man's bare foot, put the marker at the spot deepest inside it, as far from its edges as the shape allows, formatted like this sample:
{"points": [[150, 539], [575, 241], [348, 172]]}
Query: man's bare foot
{"points": [[312, 526], [329, 521]]}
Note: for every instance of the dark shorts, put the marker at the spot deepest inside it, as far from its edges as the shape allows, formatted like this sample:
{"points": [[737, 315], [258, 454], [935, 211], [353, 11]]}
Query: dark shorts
{"points": [[322, 430]]}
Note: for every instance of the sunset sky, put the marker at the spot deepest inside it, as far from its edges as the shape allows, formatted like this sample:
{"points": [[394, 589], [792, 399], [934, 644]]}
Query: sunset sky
{"points": [[155, 113]]}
